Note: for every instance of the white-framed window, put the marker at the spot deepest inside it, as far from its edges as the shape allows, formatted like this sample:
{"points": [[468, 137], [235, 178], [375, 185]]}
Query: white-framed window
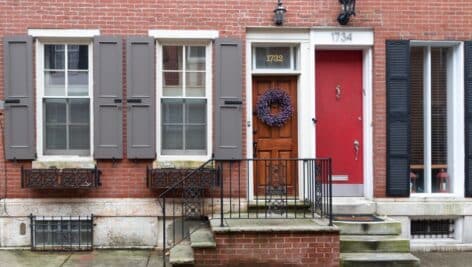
{"points": [[275, 57], [436, 156], [184, 104], [64, 98]]}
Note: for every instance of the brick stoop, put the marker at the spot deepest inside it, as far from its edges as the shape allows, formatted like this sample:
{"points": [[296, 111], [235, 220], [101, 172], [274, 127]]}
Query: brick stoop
{"points": [[374, 244], [263, 242]]}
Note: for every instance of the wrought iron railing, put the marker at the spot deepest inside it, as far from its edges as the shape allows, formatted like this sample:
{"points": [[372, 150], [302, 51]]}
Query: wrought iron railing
{"points": [[241, 189], [53, 178]]}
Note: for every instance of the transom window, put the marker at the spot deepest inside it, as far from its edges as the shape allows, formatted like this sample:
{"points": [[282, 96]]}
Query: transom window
{"points": [[184, 100], [66, 99], [431, 88], [280, 57]]}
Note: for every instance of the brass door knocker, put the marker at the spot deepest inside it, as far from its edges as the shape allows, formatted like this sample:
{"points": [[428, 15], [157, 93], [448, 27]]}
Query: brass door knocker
{"points": [[338, 92]]}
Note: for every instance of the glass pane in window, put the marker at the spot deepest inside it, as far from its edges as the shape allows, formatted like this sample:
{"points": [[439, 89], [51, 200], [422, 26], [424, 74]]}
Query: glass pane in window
{"points": [[172, 57], [195, 137], [195, 57], [172, 110], [78, 83], [77, 57], [273, 57], [195, 83], [417, 120], [54, 57], [79, 137], [195, 111], [439, 59], [55, 111], [54, 83], [172, 84], [172, 137], [56, 137], [79, 111]]}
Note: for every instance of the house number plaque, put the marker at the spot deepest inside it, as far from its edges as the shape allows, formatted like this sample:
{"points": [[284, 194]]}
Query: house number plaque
{"points": [[341, 37]]}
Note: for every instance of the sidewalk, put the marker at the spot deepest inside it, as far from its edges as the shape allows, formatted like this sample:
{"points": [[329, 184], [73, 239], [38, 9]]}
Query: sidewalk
{"points": [[99, 258]]}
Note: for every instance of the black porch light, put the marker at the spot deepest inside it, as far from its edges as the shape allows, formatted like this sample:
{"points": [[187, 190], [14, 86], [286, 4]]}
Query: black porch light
{"points": [[348, 9], [279, 13]]}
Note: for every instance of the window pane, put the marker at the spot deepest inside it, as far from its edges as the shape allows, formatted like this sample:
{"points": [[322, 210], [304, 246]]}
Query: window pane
{"points": [[439, 58], [56, 137], [172, 110], [55, 111], [54, 57], [78, 83], [172, 57], [417, 120], [172, 137], [79, 137], [172, 83], [79, 111], [54, 83], [195, 57], [196, 111], [195, 83], [273, 57], [77, 57], [195, 137]]}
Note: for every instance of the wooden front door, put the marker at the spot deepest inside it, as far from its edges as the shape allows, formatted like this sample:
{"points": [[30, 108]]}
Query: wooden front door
{"points": [[339, 114], [275, 142]]}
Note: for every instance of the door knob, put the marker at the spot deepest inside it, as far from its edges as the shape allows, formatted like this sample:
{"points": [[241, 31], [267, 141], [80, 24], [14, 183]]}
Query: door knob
{"points": [[338, 91], [356, 149]]}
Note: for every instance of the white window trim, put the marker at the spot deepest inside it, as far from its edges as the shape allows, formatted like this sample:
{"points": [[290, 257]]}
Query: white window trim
{"points": [[39, 46], [208, 96], [455, 123], [184, 34], [63, 33]]}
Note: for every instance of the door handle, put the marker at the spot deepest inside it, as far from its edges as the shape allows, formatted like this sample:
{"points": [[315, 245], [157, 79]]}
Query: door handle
{"points": [[356, 149], [338, 92], [254, 152]]}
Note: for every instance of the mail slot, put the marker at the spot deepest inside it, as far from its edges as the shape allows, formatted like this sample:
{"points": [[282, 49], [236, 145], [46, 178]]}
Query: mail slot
{"points": [[133, 100], [233, 102]]}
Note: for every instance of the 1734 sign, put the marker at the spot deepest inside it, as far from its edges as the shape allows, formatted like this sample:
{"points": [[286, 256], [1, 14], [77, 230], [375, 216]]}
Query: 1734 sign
{"points": [[341, 37]]}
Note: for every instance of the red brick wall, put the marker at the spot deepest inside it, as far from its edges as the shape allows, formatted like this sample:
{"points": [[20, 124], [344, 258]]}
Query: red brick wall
{"points": [[271, 249], [396, 19]]}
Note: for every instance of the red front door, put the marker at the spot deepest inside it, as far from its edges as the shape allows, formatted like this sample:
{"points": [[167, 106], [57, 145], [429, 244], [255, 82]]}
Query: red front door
{"points": [[339, 116]]}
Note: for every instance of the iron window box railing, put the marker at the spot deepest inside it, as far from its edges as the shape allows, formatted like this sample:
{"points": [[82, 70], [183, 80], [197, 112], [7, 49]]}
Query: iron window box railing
{"points": [[69, 178], [60, 233], [164, 178]]}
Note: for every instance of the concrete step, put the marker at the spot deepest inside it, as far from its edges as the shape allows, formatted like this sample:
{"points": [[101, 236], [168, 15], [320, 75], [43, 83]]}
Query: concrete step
{"points": [[385, 227], [202, 238], [353, 205], [379, 260], [182, 254], [292, 204], [374, 243]]}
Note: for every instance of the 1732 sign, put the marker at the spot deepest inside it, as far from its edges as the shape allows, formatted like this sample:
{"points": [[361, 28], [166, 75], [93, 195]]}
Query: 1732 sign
{"points": [[273, 57]]}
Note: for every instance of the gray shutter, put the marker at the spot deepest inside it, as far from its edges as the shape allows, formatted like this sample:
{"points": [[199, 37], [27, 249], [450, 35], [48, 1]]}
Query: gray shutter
{"points": [[141, 98], [108, 92], [398, 118], [228, 106], [19, 97], [468, 117]]}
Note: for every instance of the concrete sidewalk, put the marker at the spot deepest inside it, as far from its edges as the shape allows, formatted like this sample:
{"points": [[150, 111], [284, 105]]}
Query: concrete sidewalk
{"points": [[444, 259], [97, 258]]}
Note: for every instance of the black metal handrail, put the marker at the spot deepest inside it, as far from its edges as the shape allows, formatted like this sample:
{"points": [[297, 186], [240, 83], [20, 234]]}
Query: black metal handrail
{"points": [[285, 188]]}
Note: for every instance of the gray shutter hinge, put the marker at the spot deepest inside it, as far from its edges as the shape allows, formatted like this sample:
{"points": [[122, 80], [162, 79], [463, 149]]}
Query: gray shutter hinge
{"points": [[2, 104], [35, 155]]}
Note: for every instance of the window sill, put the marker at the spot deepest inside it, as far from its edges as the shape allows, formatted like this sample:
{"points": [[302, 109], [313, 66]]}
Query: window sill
{"points": [[62, 162], [179, 162]]}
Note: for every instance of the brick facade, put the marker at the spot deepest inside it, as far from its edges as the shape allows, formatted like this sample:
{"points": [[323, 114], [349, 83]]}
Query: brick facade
{"points": [[400, 19], [271, 249]]}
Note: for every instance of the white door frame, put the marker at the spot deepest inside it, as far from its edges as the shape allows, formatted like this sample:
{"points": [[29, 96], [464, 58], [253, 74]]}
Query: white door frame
{"points": [[336, 38]]}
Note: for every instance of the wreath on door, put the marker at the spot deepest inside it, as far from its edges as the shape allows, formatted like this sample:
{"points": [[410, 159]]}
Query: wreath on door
{"points": [[272, 97]]}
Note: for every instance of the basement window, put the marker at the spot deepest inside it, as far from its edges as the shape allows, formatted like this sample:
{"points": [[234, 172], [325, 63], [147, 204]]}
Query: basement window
{"points": [[62, 233], [432, 229]]}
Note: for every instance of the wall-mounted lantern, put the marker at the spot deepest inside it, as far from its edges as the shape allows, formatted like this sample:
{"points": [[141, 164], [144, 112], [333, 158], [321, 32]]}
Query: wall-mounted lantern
{"points": [[279, 13], [348, 9]]}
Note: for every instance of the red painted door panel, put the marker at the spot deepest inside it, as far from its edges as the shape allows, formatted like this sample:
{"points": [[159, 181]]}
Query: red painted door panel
{"points": [[339, 113]]}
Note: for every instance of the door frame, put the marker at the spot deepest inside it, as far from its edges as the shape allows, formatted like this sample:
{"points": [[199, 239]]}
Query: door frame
{"points": [[360, 39], [289, 36], [308, 40]]}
